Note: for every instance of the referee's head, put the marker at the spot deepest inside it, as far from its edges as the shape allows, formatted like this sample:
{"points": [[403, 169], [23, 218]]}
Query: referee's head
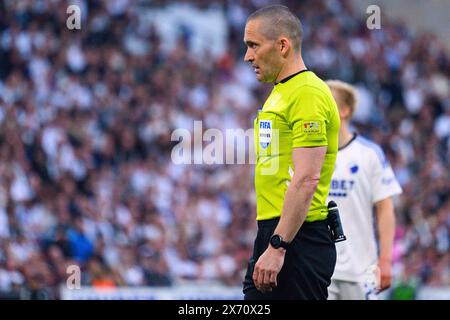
{"points": [[273, 36]]}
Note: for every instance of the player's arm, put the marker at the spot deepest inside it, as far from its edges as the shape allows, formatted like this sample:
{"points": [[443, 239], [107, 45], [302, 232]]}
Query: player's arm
{"points": [[386, 229], [307, 166]]}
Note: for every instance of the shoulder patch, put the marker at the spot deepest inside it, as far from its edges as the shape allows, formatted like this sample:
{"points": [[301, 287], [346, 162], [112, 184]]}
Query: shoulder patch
{"points": [[312, 127]]}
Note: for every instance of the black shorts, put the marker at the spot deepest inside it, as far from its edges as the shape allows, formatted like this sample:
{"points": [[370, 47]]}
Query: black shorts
{"points": [[308, 265]]}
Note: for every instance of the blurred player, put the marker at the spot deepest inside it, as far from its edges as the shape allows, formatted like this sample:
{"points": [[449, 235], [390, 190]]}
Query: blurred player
{"points": [[362, 179]]}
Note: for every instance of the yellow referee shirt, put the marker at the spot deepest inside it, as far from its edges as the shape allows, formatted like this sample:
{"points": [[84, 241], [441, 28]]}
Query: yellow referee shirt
{"points": [[300, 112]]}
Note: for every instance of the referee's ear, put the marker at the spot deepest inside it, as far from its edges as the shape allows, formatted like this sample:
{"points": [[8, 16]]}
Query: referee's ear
{"points": [[284, 46]]}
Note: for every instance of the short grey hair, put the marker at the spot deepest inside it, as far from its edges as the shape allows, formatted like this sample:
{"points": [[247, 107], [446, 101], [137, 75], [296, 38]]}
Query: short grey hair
{"points": [[278, 20]]}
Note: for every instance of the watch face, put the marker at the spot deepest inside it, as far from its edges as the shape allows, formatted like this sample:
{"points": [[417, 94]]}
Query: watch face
{"points": [[275, 241]]}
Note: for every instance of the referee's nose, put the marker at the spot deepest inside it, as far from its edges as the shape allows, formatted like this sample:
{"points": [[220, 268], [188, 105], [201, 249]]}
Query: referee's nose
{"points": [[249, 57]]}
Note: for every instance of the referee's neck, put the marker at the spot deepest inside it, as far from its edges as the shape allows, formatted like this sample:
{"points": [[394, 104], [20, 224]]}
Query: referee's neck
{"points": [[291, 67]]}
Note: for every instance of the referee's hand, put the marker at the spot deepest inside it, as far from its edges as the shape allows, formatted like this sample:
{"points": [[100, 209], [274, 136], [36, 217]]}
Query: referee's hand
{"points": [[267, 268]]}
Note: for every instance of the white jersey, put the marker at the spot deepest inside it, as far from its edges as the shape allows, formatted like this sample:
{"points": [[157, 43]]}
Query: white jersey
{"points": [[362, 177]]}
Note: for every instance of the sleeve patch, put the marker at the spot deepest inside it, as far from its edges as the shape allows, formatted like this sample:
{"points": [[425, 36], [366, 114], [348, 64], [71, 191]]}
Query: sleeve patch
{"points": [[312, 127]]}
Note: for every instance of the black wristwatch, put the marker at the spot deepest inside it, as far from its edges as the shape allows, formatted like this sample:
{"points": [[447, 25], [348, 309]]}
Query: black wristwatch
{"points": [[276, 241]]}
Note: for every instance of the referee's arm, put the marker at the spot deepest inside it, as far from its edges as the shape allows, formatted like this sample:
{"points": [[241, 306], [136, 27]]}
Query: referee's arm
{"points": [[307, 167]]}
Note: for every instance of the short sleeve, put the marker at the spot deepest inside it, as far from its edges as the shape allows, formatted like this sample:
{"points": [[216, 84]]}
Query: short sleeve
{"points": [[384, 183], [308, 119]]}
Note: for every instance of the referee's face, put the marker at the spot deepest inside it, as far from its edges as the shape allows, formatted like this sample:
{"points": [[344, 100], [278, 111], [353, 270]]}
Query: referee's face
{"points": [[261, 52]]}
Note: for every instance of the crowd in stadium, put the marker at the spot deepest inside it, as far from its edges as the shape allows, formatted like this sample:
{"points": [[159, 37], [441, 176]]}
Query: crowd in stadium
{"points": [[86, 117]]}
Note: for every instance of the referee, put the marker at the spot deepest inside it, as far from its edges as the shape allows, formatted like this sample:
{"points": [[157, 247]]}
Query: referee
{"points": [[296, 134]]}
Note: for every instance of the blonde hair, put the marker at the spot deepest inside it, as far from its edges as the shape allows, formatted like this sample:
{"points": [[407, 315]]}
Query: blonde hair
{"points": [[346, 92]]}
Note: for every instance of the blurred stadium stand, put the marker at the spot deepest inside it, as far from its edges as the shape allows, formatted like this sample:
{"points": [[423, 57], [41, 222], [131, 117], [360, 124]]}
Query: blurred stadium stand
{"points": [[431, 18], [86, 119]]}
